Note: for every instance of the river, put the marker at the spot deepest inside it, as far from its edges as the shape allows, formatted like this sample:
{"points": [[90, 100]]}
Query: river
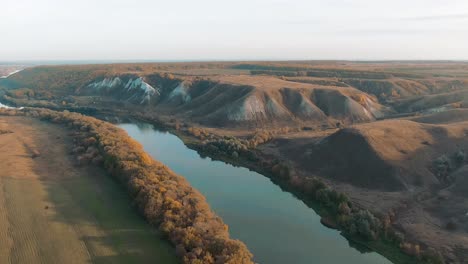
{"points": [[277, 227]]}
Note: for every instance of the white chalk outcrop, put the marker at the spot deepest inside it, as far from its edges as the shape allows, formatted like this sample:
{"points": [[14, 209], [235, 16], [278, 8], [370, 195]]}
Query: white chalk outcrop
{"points": [[180, 93], [133, 89]]}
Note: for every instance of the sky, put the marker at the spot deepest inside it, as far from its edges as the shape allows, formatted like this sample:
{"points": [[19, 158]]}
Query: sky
{"points": [[233, 30]]}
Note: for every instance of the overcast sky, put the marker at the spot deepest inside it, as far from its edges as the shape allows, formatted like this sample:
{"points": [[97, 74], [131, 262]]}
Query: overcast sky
{"points": [[233, 30]]}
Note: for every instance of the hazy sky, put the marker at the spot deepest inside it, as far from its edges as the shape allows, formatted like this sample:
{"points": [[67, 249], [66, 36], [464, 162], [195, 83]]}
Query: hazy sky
{"points": [[236, 29]]}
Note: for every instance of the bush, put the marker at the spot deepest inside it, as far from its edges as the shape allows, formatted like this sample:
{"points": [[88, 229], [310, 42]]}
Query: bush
{"points": [[364, 224], [442, 163], [460, 157], [442, 167], [281, 171], [411, 249], [431, 256]]}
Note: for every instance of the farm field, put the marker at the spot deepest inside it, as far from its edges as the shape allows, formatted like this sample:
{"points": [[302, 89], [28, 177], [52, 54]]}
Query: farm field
{"points": [[53, 211]]}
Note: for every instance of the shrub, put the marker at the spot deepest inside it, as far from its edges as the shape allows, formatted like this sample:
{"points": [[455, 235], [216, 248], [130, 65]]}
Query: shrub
{"points": [[411, 249], [364, 224], [431, 256], [442, 163], [344, 208], [442, 167], [281, 170], [460, 157]]}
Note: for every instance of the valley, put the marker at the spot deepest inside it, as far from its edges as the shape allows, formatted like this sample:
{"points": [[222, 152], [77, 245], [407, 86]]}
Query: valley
{"points": [[342, 134]]}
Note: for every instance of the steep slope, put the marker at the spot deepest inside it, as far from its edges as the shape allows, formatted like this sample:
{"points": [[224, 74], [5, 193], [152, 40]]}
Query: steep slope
{"points": [[125, 88], [224, 100], [342, 96], [246, 100], [240, 100]]}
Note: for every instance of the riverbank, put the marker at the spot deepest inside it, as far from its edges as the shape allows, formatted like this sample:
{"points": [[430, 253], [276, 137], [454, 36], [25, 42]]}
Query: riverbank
{"points": [[165, 199], [385, 240], [276, 226]]}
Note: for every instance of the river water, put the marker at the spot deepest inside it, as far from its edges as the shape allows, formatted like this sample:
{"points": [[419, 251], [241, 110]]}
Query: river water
{"points": [[277, 227]]}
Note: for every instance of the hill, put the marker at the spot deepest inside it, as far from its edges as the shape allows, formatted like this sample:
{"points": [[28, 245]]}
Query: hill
{"points": [[216, 100], [388, 155], [415, 168]]}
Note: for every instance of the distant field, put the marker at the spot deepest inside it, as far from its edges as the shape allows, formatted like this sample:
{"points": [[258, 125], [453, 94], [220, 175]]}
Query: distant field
{"points": [[54, 212]]}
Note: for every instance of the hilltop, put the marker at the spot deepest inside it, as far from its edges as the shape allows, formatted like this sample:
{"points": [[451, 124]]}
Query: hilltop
{"points": [[248, 94]]}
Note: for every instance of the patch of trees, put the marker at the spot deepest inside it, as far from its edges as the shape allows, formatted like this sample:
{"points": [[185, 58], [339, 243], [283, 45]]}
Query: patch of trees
{"points": [[60, 80], [382, 89], [444, 165], [279, 73], [235, 143], [199, 133], [27, 102], [166, 200], [26, 93], [322, 82], [354, 221], [348, 74], [324, 74], [232, 146], [351, 219], [228, 145], [292, 71], [264, 67]]}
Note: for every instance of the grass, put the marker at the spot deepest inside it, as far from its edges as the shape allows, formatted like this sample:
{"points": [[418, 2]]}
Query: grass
{"points": [[127, 233], [88, 219]]}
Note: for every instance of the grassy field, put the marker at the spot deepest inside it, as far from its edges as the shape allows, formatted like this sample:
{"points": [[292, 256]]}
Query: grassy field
{"points": [[54, 212]]}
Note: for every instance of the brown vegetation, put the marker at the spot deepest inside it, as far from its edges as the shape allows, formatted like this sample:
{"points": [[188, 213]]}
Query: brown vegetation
{"points": [[166, 200]]}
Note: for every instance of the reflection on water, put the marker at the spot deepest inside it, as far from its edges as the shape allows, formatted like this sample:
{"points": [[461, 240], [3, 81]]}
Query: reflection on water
{"points": [[276, 226]]}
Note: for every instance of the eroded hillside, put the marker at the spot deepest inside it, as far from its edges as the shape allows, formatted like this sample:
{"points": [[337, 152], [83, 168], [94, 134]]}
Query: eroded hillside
{"points": [[313, 94], [393, 132]]}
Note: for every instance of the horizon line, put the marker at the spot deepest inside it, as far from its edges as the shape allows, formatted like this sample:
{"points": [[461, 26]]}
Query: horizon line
{"points": [[116, 61]]}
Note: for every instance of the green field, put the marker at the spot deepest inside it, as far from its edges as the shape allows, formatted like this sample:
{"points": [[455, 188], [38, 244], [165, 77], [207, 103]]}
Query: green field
{"points": [[86, 219]]}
